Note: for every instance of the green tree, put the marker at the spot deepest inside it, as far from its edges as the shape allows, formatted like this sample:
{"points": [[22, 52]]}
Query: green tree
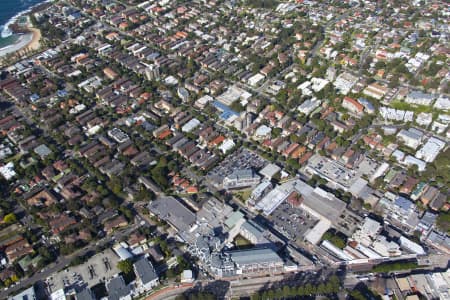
{"points": [[286, 291], [443, 221], [10, 218], [334, 284], [125, 266], [301, 291], [255, 296], [7, 282], [276, 132], [310, 289], [336, 239], [128, 213], [395, 266], [115, 185], [321, 288], [356, 295]]}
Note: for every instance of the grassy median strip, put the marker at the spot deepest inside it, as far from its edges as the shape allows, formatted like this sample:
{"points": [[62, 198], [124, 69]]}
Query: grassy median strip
{"points": [[396, 266]]}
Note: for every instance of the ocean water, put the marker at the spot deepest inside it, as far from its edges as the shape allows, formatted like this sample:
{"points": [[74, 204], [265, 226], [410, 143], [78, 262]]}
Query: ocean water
{"points": [[9, 10]]}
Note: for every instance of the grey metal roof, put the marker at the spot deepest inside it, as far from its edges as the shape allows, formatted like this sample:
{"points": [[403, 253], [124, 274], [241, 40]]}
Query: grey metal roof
{"points": [[412, 133], [116, 288], [252, 256], [42, 150], [254, 229], [403, 203], [145, 270], [233, 219], [28, 294], [85, 294], [323, 203], [439, 238], [242, 174], [270, 170], [420, 95], [429, 218], [172, 211]]}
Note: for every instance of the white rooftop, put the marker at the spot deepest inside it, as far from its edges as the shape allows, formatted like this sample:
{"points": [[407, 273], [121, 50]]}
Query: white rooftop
{"points": [[191, 125], [431, 149], [273, 199], [228, 144], [270, 170], [263, 130], [7, 171]]}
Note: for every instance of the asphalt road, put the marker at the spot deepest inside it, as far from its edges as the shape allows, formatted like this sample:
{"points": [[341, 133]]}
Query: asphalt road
{"points": [[315, 50], [170, 292]]}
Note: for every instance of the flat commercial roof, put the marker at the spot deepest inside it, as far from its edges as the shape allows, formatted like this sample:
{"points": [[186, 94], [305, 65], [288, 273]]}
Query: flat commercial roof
{"points": [[233, 219], [322, 202], [261, 187], [315, 234], [123, 253], [254, 229], [232, 94], [370, 227], [336, 251], [270, 170], [27, 294], [403, 284], [226, 111], [332, 171], [358, 187], [271, 201], [173, 211], [411, 246], [58, 295], [99, 268], [254, 256]]}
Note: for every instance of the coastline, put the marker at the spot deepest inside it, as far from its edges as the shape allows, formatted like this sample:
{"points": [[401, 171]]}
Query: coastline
{"points": [[20, 14], [35, 42], [28, 41], [22, 42]]}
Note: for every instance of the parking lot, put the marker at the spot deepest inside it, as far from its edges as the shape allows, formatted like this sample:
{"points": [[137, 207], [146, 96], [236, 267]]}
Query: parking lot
{"points": [[292, 222], [241, 159], [98, 268], [336, 172], [348, 222]]}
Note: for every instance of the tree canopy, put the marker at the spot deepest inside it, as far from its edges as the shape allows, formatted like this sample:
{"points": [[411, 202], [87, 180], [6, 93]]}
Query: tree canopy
{"points": [[125, 266]]}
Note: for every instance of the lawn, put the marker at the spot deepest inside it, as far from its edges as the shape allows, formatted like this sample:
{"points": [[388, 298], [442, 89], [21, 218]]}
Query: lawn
{"points": [[242, 243], [396, 266], [243, 195], [439, 170], [417, 109], [14, 158], [335, 238]]}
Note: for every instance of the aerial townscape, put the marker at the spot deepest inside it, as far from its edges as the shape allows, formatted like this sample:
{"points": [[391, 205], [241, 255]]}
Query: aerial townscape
{"points": [[226, 149]]}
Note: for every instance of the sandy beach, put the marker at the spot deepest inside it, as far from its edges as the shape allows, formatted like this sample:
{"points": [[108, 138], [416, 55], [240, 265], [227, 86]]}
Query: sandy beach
{"points": [[34, 44], [26, 41]]}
